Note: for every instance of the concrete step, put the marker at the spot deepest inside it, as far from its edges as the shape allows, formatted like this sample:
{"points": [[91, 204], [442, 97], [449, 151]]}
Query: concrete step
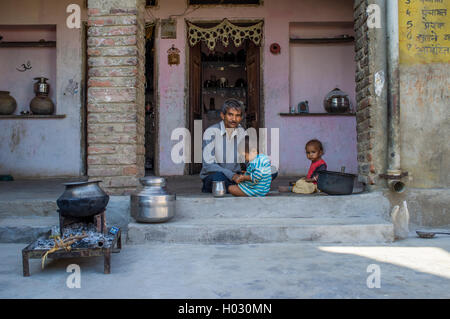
{"points": [[205, 219], [25, 229], [118, 210], [206, 206], [262, 230], [368, 205], [223, 230], [28, 208]]}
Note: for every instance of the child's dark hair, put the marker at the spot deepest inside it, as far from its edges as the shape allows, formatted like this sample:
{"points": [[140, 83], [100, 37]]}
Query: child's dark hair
{"points": [[315, 143], [244, 145]]}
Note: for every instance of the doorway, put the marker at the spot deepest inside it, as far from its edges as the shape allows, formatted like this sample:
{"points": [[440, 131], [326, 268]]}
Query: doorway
{"points": [[150, 100], [219, 74]]}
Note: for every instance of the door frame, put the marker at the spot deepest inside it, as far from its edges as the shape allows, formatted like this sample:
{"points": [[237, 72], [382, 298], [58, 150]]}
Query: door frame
{"points": [[157, 97], [188, 166]]}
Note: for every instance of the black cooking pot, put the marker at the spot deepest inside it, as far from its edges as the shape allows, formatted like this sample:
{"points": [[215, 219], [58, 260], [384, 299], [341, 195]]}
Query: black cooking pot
{"points": [[335, 183], [82, 199]]}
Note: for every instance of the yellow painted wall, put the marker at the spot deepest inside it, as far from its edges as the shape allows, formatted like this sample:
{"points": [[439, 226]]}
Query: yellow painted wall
{"points": [[424, 31], [424, 95]]}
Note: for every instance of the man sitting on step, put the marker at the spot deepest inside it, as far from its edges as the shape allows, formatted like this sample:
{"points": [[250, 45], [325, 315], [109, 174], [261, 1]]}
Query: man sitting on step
{"points": [[220, 143]]}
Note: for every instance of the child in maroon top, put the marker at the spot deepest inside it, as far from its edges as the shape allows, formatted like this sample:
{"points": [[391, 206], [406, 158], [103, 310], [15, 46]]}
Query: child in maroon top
{"points": [[314, 152], [308, 184]]}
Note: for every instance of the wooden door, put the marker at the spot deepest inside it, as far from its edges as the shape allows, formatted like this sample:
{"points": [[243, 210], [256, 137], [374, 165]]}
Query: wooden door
{"points": [[252, 115], [195, 91]]}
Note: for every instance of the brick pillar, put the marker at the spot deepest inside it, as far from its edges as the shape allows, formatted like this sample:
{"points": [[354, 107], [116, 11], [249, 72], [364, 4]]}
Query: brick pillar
{"points": [[371, 111], [116, 94]]}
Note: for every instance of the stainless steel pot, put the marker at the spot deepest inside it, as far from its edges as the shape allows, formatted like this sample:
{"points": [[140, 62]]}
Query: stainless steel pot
{"points": [[153, 204], [337, 102]]}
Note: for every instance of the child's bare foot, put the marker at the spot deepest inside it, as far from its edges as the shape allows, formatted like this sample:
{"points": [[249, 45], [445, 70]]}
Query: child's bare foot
{"points": [[284, 189]]}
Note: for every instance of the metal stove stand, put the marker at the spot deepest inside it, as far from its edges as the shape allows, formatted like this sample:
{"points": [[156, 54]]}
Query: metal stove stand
{"points": [[32, 252]]}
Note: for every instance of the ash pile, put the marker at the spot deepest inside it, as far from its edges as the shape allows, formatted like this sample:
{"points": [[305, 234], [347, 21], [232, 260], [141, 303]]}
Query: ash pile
{"points": [[93, 239]]}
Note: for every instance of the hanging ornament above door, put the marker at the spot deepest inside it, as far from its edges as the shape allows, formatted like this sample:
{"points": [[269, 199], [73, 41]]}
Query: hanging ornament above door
{"points": [[173, 56], [223, 32]]}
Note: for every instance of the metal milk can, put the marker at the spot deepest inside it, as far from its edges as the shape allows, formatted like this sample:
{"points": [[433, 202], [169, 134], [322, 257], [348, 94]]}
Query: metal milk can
{"points": [[153, 204]]}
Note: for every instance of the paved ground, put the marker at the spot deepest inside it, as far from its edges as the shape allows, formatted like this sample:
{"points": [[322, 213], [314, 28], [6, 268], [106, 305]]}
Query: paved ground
{"points": [[413, 268]]}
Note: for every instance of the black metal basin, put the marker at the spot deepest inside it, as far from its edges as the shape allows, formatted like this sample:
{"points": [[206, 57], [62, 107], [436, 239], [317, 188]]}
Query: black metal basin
{"points": [[82, 199], [335, 183]]}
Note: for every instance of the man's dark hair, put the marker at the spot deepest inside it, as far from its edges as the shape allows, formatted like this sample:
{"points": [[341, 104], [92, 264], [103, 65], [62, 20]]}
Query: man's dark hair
{"points": [[315, 143], [232, 104]]}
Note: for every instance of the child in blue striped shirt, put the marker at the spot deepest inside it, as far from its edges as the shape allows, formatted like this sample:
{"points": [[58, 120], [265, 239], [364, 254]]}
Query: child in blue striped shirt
{"points": [[258, 177]]}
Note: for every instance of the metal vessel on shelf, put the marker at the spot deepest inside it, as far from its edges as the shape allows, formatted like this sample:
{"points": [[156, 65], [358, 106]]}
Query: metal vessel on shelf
{"points": [[337, 101], [153, 204], [222, 82], [41, 87], [41, 104]]}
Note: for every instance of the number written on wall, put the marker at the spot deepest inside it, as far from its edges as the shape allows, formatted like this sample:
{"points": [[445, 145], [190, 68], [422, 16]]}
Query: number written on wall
{"points": [[424, 31]]}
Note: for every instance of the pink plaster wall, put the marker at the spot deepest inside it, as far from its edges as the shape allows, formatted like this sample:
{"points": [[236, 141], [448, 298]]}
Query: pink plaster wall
{"points": [[42, 60], [337, 133], [316, 69], [41, 148]]}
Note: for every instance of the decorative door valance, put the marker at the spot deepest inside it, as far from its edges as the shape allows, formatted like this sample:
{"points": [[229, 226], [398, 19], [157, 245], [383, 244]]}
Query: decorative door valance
{"points": [[223, 32]]}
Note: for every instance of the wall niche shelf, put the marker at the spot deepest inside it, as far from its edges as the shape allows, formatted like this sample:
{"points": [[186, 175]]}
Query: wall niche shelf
{"points": [[32, 116], [29, 44], [316, 114], [347, 39], [224, 90], [220, 64]]}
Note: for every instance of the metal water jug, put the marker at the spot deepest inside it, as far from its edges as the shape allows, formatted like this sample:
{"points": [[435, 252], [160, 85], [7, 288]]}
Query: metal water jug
{"points": [[41, 87], [41, 104], [153, 204]]}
